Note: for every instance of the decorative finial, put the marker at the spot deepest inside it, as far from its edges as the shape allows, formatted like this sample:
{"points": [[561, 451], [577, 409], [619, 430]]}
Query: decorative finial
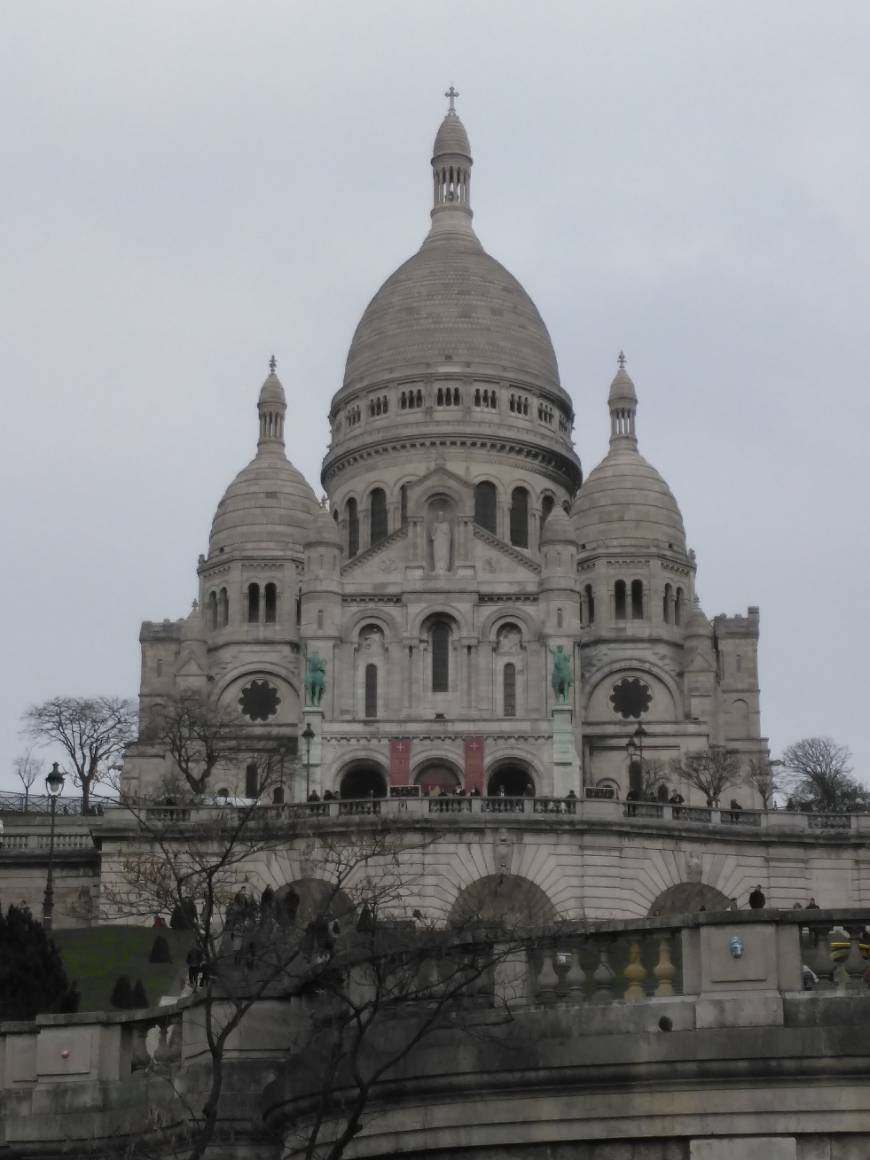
{"points": [[451, 94], [273, 364], [621, 360]]}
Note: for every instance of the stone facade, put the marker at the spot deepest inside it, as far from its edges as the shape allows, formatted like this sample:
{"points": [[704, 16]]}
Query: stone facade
{"points": [[455, 548]]}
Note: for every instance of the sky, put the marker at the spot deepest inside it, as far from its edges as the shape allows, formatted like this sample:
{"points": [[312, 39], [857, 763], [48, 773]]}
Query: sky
{"points": [[188, 188]]}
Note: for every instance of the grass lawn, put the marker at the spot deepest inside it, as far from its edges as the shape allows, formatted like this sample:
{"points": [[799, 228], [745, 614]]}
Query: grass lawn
{"points": [[95, 956]]}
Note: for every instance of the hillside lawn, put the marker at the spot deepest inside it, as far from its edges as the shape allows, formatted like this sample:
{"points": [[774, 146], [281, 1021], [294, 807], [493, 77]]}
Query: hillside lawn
{"points": [[95, 956]]}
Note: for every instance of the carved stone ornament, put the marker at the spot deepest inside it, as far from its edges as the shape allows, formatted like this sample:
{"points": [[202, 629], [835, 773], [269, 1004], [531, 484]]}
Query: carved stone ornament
{"points": [[259, 701], [631, 697]]}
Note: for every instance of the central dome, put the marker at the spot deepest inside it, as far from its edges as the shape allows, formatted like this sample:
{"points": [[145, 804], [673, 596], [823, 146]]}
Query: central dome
{"points": [[451, 308], [451, 303]]}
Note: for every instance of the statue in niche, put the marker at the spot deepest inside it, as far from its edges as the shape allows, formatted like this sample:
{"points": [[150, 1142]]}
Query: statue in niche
{"points": [[440, 536], [372, 640], [561, 679], [315, 679], [509, 639]]}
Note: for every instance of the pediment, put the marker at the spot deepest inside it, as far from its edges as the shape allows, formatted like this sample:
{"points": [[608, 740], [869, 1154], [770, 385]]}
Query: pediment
{"points": [[700, 663], [190, 667], [440, 481]]}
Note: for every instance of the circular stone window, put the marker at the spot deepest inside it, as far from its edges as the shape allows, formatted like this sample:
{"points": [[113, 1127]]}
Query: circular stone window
{"points": [[631, 697], [259, 701]]}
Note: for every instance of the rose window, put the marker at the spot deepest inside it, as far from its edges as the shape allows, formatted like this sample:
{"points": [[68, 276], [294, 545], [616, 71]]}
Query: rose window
{"points": [[631, 697], [259, 701]]}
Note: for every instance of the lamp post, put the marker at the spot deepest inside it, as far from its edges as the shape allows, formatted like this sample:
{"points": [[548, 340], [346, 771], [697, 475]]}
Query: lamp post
{"points": [[307, 737], [54, 786], [634, 749]]}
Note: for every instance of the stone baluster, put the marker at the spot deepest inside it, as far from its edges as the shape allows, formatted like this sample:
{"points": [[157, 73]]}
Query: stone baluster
{"points": [[840, 943], [548, 980], [176, 1029], [854, 963], [816, 955], [140, 1057], [162, 1054], [664, 970], [635, 973], [602, 978], [575, 979]]}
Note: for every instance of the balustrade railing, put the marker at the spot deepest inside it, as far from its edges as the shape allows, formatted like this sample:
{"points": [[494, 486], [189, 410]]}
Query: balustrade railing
{"points": [[504, 805], [837, 957], [604, 968], [829, 821]]}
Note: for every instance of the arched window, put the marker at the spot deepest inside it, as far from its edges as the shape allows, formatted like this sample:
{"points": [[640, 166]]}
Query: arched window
{"points": [[212, 610], [440, 646], [485, 505], [547, 505], [678, 607], [270, 594], [403, 504], [223, 608], [637, 600], [278, 795], [253, 603], [668, 604], [509, 689], [619, 609], [520, 517], [252, 781], [378, 515], [371, 709], [352, 517], [320, 618], [590, 604]]}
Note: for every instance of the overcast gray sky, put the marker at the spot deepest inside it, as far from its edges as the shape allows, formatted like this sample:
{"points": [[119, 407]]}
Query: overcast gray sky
{"points": [[187, 187]]}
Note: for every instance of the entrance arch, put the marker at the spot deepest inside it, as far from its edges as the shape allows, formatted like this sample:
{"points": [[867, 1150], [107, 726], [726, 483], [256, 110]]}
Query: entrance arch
{"points": [[507, 900], [363, 780], [437, 774], [689, 898], [511, 779]]}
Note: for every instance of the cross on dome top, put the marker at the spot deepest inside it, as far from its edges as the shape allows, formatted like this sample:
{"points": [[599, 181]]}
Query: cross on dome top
{"points": [[451, 95], [273, 364]]}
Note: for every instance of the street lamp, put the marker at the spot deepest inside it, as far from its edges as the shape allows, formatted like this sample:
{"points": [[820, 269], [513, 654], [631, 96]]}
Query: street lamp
{"points": [[54, 787], [634, 749], [307, 737]]}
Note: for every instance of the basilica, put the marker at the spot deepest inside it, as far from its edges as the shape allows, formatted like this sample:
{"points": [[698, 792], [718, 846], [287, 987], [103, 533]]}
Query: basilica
{"points": [[456, 551]]}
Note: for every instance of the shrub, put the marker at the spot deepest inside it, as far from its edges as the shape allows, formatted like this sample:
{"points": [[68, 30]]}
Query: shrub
{"points": [[122, 993], [139, 997], [33, 979], [160, 952]]}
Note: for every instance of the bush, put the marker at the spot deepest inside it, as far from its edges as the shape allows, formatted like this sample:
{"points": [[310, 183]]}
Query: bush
{"points": [[122, 993], [160, 952], [33, 979], [139, 998]]}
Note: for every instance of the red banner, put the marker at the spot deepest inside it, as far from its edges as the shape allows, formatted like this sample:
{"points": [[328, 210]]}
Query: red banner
{"points": [[400, 760], [474, 764]]}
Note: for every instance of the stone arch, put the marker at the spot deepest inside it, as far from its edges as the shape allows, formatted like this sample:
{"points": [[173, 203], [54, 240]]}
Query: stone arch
{"points": [[357, 621], [507, 900], [513, 775], [494, 620], [451, 612], [689, 898], [363, 779], [361, 755], [267, 668], [440, 771], [306, 899], [435, 488], [658, 674]]}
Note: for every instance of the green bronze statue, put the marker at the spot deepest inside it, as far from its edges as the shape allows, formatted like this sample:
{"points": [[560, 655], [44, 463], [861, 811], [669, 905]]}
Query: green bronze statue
{"points": [[315, 679], [561, 678]]}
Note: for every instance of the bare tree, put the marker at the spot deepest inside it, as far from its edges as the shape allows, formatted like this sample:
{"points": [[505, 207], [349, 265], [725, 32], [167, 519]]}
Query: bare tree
{"points": [[821, 775], [711, 771], [339, 945], [27, 770], [197, 734], [93, 732], [762, 774]]}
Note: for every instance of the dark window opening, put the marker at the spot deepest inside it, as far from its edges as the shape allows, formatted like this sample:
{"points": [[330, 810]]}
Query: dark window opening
{"points": [[223, 608], [509, 682], [378, 515], [440, 644], [547, 505], [253, 603], [212, 610], [590, 604], [403, 504], [363, 781], [485, 506], [270, 593], [352, 528], [371, 681], [619, 600], [252, 781], [520, 517], [637, 600]]}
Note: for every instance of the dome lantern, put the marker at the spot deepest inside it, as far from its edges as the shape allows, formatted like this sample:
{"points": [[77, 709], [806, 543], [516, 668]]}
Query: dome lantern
{"points": [[622, 402], [271, 407]]}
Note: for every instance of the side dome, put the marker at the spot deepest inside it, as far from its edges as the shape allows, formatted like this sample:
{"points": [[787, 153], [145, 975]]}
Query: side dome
{"points": [[624, 501], [270, 505]]}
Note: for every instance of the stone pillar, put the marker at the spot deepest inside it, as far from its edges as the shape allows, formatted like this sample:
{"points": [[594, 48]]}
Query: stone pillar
{"points": [[566, 763], [314, 763]]}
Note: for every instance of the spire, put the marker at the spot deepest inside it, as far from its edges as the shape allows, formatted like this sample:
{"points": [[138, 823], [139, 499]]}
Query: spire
{"points": [[451, 173], [271, 407], [622, 402]]}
